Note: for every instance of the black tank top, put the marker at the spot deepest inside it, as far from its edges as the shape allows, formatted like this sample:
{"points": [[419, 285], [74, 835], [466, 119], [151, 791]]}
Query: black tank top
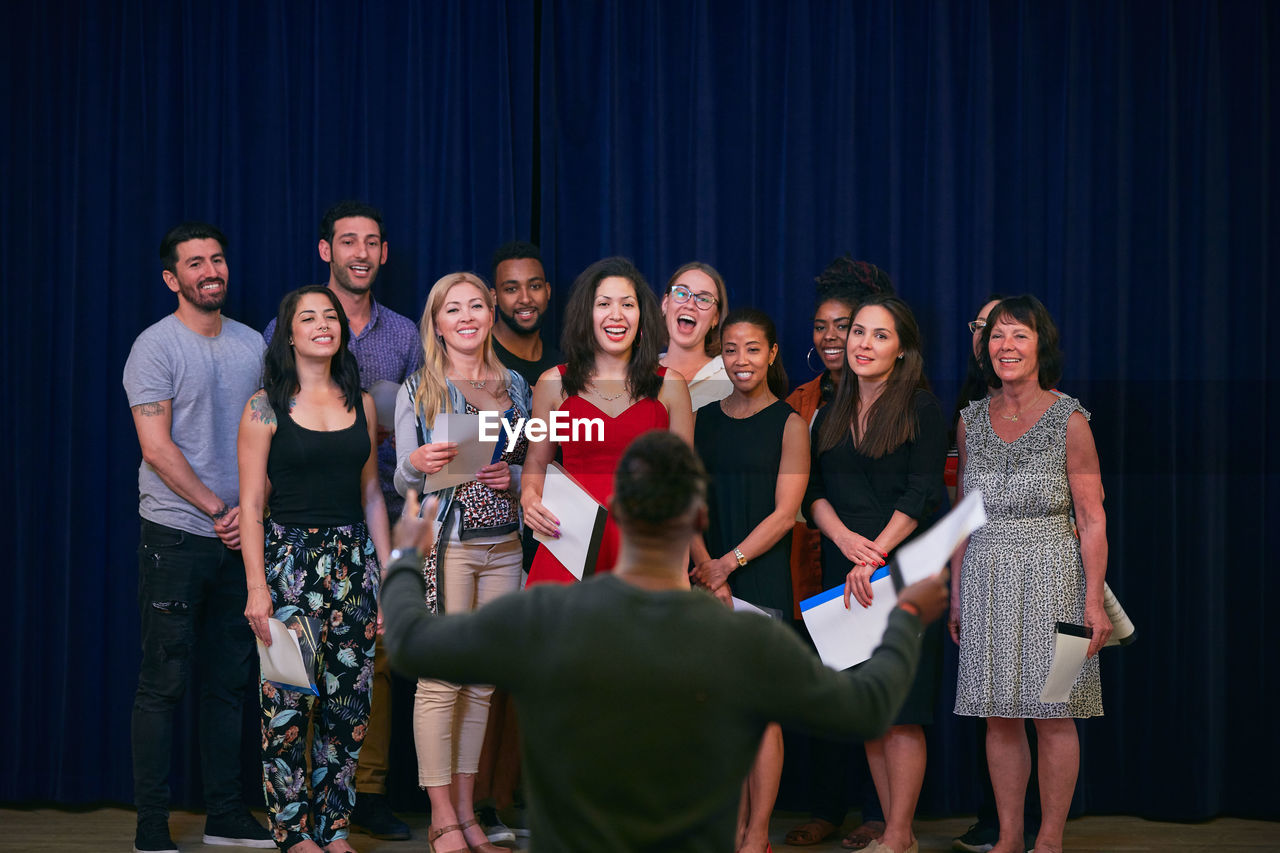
{"points": [[315, 475]]}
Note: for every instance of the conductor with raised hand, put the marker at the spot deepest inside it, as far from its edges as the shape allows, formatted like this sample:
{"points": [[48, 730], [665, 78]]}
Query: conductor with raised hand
{"points": [[587, 661]]}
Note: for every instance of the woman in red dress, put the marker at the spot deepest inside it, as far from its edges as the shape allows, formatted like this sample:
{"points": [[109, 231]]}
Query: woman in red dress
{"points": [[612, 336]]}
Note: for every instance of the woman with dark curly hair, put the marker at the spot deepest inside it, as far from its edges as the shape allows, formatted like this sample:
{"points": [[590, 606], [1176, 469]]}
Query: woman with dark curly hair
{"points": [[309, 437], [612, 334]]}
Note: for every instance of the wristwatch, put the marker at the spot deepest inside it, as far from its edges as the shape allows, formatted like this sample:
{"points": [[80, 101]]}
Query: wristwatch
{"points": [[742, 560], [397, 553]]}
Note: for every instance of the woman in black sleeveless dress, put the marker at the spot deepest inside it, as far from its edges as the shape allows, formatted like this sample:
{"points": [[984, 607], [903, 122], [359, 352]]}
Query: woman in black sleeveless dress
{"points": [[875, 481], [756, 450], [308, 437]]}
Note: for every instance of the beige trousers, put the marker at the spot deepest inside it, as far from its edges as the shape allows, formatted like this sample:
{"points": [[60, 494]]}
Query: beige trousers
{"points": [[449, 719]]}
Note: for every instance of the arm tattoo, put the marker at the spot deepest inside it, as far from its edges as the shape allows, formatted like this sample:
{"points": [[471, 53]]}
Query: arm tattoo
{"points": [[150, 410], [260, 409]]}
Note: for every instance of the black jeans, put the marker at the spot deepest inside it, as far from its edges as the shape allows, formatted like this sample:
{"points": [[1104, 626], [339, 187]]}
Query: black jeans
{"points": [[191, 598]]}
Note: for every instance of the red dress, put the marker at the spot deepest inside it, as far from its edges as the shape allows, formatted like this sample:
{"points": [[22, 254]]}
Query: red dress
{"points": [[592, 464]]}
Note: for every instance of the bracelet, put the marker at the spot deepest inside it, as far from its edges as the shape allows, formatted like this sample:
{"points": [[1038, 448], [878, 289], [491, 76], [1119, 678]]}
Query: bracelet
{"points": [[910, 608], [220, 513], [257, 586]]}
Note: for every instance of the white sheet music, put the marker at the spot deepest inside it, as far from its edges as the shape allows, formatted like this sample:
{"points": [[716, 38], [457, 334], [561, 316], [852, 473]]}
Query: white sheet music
{"points": [[579, 514]]}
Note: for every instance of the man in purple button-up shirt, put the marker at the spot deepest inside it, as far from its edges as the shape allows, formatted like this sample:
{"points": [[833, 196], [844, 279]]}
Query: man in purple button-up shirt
{"points": [[387, 347]]}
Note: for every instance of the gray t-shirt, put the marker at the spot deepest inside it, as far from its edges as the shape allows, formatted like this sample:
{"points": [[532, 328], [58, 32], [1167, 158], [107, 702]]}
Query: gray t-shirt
{"points": [[209, 380]]}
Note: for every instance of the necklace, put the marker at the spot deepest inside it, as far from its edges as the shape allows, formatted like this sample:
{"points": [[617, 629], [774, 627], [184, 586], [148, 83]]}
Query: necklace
{"points": [[608, 398], [751, 412], [479, 386], [1015, 415]]}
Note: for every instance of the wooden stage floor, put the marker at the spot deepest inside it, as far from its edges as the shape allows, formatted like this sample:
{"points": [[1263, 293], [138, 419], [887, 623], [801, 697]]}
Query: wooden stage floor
{"points": [[111, 829]]}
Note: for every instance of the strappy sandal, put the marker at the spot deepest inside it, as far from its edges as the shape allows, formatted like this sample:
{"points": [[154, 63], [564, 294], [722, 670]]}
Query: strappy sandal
{"points": [[433, 834], [813, 831], [862, 837], [487, 846]]}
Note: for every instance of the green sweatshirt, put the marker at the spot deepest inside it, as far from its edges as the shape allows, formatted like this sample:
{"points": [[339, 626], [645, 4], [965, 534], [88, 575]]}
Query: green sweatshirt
{"points": [[641, 712]]}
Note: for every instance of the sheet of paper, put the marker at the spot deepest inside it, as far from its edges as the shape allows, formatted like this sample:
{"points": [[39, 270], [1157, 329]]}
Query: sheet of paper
{"points": [[1071, 643], [384, 394], [928, 553], [282, 661], [581, 517], [1122, 631], [473, 452], [740, 606], [848, 637]]}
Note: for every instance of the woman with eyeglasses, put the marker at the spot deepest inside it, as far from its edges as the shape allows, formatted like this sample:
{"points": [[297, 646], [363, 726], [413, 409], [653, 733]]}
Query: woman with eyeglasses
{"points": [[477, 554], [611, 338], [694, 308], [974, 387]]}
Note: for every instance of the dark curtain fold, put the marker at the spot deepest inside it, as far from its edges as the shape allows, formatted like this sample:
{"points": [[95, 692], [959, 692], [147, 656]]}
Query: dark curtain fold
{"points": [[1113, 158], [126, 118]]}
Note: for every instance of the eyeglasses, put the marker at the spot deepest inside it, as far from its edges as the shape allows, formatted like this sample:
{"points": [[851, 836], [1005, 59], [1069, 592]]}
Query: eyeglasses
{"points": [[681, 294], [976, 326]]}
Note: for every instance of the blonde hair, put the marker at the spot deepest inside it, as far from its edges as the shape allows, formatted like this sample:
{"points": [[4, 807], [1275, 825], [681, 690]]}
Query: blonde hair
{"points": [[433, 389]]}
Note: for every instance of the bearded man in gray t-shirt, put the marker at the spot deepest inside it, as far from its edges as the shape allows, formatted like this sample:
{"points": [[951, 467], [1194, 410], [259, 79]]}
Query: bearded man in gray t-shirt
{"points": [[187, 379]]}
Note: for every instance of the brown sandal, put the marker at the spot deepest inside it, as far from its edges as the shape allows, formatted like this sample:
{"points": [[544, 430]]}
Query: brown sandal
{"points": [[813, 831], [862, 837], [487, 846], [433, 834]]}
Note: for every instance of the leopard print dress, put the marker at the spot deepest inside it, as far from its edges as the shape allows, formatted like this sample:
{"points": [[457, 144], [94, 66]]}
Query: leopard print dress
{"points": [[1022, 571]]}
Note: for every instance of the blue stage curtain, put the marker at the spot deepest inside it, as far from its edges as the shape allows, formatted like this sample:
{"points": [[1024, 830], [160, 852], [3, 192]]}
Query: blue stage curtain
{"points": [[1114, 158], [123, 119]]}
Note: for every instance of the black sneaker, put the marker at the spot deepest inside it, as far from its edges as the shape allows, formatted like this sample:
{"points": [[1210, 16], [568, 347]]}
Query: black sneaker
{"points": [[238, 829], [373, 815], [152, 836], [977, 839], [494, 829]]}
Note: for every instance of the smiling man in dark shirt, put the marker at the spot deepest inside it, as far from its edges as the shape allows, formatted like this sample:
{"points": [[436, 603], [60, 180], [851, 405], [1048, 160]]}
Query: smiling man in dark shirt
{"points": [[523, 295]]}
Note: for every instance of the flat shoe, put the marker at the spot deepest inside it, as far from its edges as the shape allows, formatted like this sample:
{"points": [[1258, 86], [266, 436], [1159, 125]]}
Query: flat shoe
{"points": [[881, 847]]}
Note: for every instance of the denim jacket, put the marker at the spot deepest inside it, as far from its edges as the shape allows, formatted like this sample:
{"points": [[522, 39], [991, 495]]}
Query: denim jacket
{"points": [[408, 417]]}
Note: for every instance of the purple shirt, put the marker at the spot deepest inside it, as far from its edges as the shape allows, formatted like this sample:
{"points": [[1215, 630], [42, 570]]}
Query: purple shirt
{"points": [[388, 347]]}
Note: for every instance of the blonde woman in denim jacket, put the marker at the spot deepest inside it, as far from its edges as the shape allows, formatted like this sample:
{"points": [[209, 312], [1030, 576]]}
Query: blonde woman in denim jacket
{"points": [[477, 555]]}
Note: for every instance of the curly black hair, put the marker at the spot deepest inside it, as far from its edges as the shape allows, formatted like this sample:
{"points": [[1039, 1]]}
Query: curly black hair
{"points": [[852, 282]]}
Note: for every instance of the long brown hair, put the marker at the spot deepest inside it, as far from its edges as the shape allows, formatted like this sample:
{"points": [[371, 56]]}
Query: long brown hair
{"points": [[578, 338], [891, 421]]}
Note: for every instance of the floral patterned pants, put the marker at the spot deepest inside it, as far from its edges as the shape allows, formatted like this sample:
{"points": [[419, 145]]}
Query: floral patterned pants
{"points": [[329, 574]]}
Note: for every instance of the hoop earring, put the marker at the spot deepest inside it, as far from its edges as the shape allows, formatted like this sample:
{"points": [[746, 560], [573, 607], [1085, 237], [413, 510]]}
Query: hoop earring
{"points": [[808, 364]]}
